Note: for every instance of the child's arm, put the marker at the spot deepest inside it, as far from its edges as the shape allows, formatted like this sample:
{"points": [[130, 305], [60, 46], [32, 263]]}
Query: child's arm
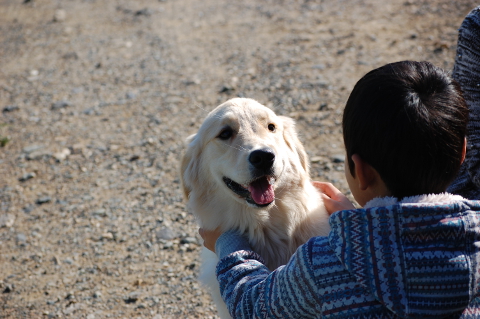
{"points": [[250, 290]]}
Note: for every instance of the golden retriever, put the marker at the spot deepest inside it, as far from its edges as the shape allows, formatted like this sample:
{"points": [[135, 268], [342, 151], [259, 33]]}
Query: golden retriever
{"points": [[246, 169]]}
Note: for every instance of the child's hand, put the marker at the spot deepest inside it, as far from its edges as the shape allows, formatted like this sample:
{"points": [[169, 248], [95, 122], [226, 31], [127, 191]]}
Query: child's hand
{"points": [[209, 237], [333, 199]]}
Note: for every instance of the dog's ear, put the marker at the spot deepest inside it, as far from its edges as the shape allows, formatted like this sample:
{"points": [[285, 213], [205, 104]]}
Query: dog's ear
{"points": [[189, 165], [291, 138]]}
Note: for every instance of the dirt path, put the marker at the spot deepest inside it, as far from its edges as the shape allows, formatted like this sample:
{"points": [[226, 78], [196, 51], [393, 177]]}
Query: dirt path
{"points": [[97, 98]]}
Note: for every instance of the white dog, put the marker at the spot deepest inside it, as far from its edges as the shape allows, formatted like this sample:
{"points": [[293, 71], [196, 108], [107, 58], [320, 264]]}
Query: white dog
{"points": [[246, 169]]}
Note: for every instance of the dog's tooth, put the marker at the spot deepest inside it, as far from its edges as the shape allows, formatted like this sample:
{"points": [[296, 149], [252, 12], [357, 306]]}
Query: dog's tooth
{"points": [[271, 180]]}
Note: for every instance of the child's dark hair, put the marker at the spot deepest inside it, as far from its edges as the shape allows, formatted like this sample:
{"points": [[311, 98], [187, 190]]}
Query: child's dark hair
{"points": [[408, 121]]}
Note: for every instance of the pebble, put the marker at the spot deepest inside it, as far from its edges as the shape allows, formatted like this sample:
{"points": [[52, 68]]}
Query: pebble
{"points": [[37, 155], [8, 288], [28, 209], [60, 15], [32, 148], [62, 155], [189, 240], [339, 158], [131, 298], [316, 159], [43, 200], [21, 238], [100, 212], [165, 233], [130, 95], [7, 220], [68, 261], [10, 108], [60, 105], [27, 176]]}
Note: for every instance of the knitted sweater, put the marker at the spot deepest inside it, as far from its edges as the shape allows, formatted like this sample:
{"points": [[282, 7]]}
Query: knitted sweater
{"points": [[415, 259], [467, 72]]}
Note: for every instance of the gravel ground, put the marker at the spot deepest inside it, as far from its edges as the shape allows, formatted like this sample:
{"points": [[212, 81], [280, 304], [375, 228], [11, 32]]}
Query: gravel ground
{"points": [[97, 98]]}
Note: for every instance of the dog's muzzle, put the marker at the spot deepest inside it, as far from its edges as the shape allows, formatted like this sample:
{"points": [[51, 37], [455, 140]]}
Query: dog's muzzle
{"points": [[259, 192]]}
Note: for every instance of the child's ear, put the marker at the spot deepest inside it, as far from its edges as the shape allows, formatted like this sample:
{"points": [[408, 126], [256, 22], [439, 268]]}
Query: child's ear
{"points": [[364, 173], [464, 150]]}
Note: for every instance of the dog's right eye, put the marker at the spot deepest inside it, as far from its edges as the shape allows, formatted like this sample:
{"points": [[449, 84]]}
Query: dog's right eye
{"points": [[225, 134]]}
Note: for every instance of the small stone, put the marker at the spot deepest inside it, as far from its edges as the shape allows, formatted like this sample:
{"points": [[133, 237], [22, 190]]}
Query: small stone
{"points": [[168, 245], [100, 212], [26, 177], [8, 288], [145, 12], [132, 298], [70, 55], [339, 158], [323, 107], [28, 209], [68, 261], [108, 236], [97, 295], [10, 108], [60, 15], [62, 155], [36, 155], [189, 240], [21, 238], [32, 148], [316, 159], [6, 220], [165, 233], [60, 105], [226, 89], [78, 148], [130, 95], [43, 200]]}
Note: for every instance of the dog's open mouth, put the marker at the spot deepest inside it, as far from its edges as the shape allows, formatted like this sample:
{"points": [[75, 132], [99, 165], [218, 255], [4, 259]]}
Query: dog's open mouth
{"points": [[259, 192]]}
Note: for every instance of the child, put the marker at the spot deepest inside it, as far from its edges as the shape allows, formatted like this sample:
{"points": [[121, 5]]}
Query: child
{"points": [[412, 251]]}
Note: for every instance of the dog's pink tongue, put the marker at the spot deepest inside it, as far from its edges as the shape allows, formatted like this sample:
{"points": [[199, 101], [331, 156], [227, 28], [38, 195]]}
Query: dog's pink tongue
{"points": [[261, 191]]}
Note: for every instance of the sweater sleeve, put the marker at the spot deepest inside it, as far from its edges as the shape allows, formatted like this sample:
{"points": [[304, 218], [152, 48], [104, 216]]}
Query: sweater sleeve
{"points": [[250, 290], [467, 72]]}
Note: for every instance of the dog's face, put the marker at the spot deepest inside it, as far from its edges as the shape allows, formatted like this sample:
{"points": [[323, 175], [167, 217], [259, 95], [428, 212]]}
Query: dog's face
{"points": [[244, 150]]}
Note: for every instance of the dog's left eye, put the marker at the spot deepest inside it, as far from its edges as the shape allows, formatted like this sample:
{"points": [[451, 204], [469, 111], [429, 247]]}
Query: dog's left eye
{"points": [[225, 134], [271, 127]]}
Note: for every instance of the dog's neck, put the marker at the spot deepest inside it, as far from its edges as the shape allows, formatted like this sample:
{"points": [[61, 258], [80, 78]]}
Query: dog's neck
{"points": [[277, 225]]}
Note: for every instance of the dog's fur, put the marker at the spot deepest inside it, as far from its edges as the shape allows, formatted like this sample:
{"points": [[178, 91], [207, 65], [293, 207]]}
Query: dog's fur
{"points": [[221, 152]]}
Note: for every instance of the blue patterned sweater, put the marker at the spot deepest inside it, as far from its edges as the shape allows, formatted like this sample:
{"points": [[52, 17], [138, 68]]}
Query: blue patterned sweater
{"points": [[467, 72], [415, 259]]}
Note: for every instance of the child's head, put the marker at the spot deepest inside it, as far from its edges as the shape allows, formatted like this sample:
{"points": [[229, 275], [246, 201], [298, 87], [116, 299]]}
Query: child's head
{"points": [[408, 121]]}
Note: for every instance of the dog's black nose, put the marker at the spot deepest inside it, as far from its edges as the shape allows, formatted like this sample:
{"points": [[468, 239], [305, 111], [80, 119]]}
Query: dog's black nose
{"points": [[262, 159]]}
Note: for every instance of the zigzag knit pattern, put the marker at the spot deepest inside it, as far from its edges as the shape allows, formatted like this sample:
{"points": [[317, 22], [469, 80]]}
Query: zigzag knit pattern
{"points": [[410, 260], [467, 72]]}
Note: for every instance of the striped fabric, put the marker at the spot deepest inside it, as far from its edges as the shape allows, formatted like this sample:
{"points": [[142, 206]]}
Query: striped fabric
{"points": [[407, 260], [467, 73]]}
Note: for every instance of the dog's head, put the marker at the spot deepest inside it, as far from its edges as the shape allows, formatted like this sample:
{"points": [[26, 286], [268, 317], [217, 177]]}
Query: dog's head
{"points": [[245, 152]]}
